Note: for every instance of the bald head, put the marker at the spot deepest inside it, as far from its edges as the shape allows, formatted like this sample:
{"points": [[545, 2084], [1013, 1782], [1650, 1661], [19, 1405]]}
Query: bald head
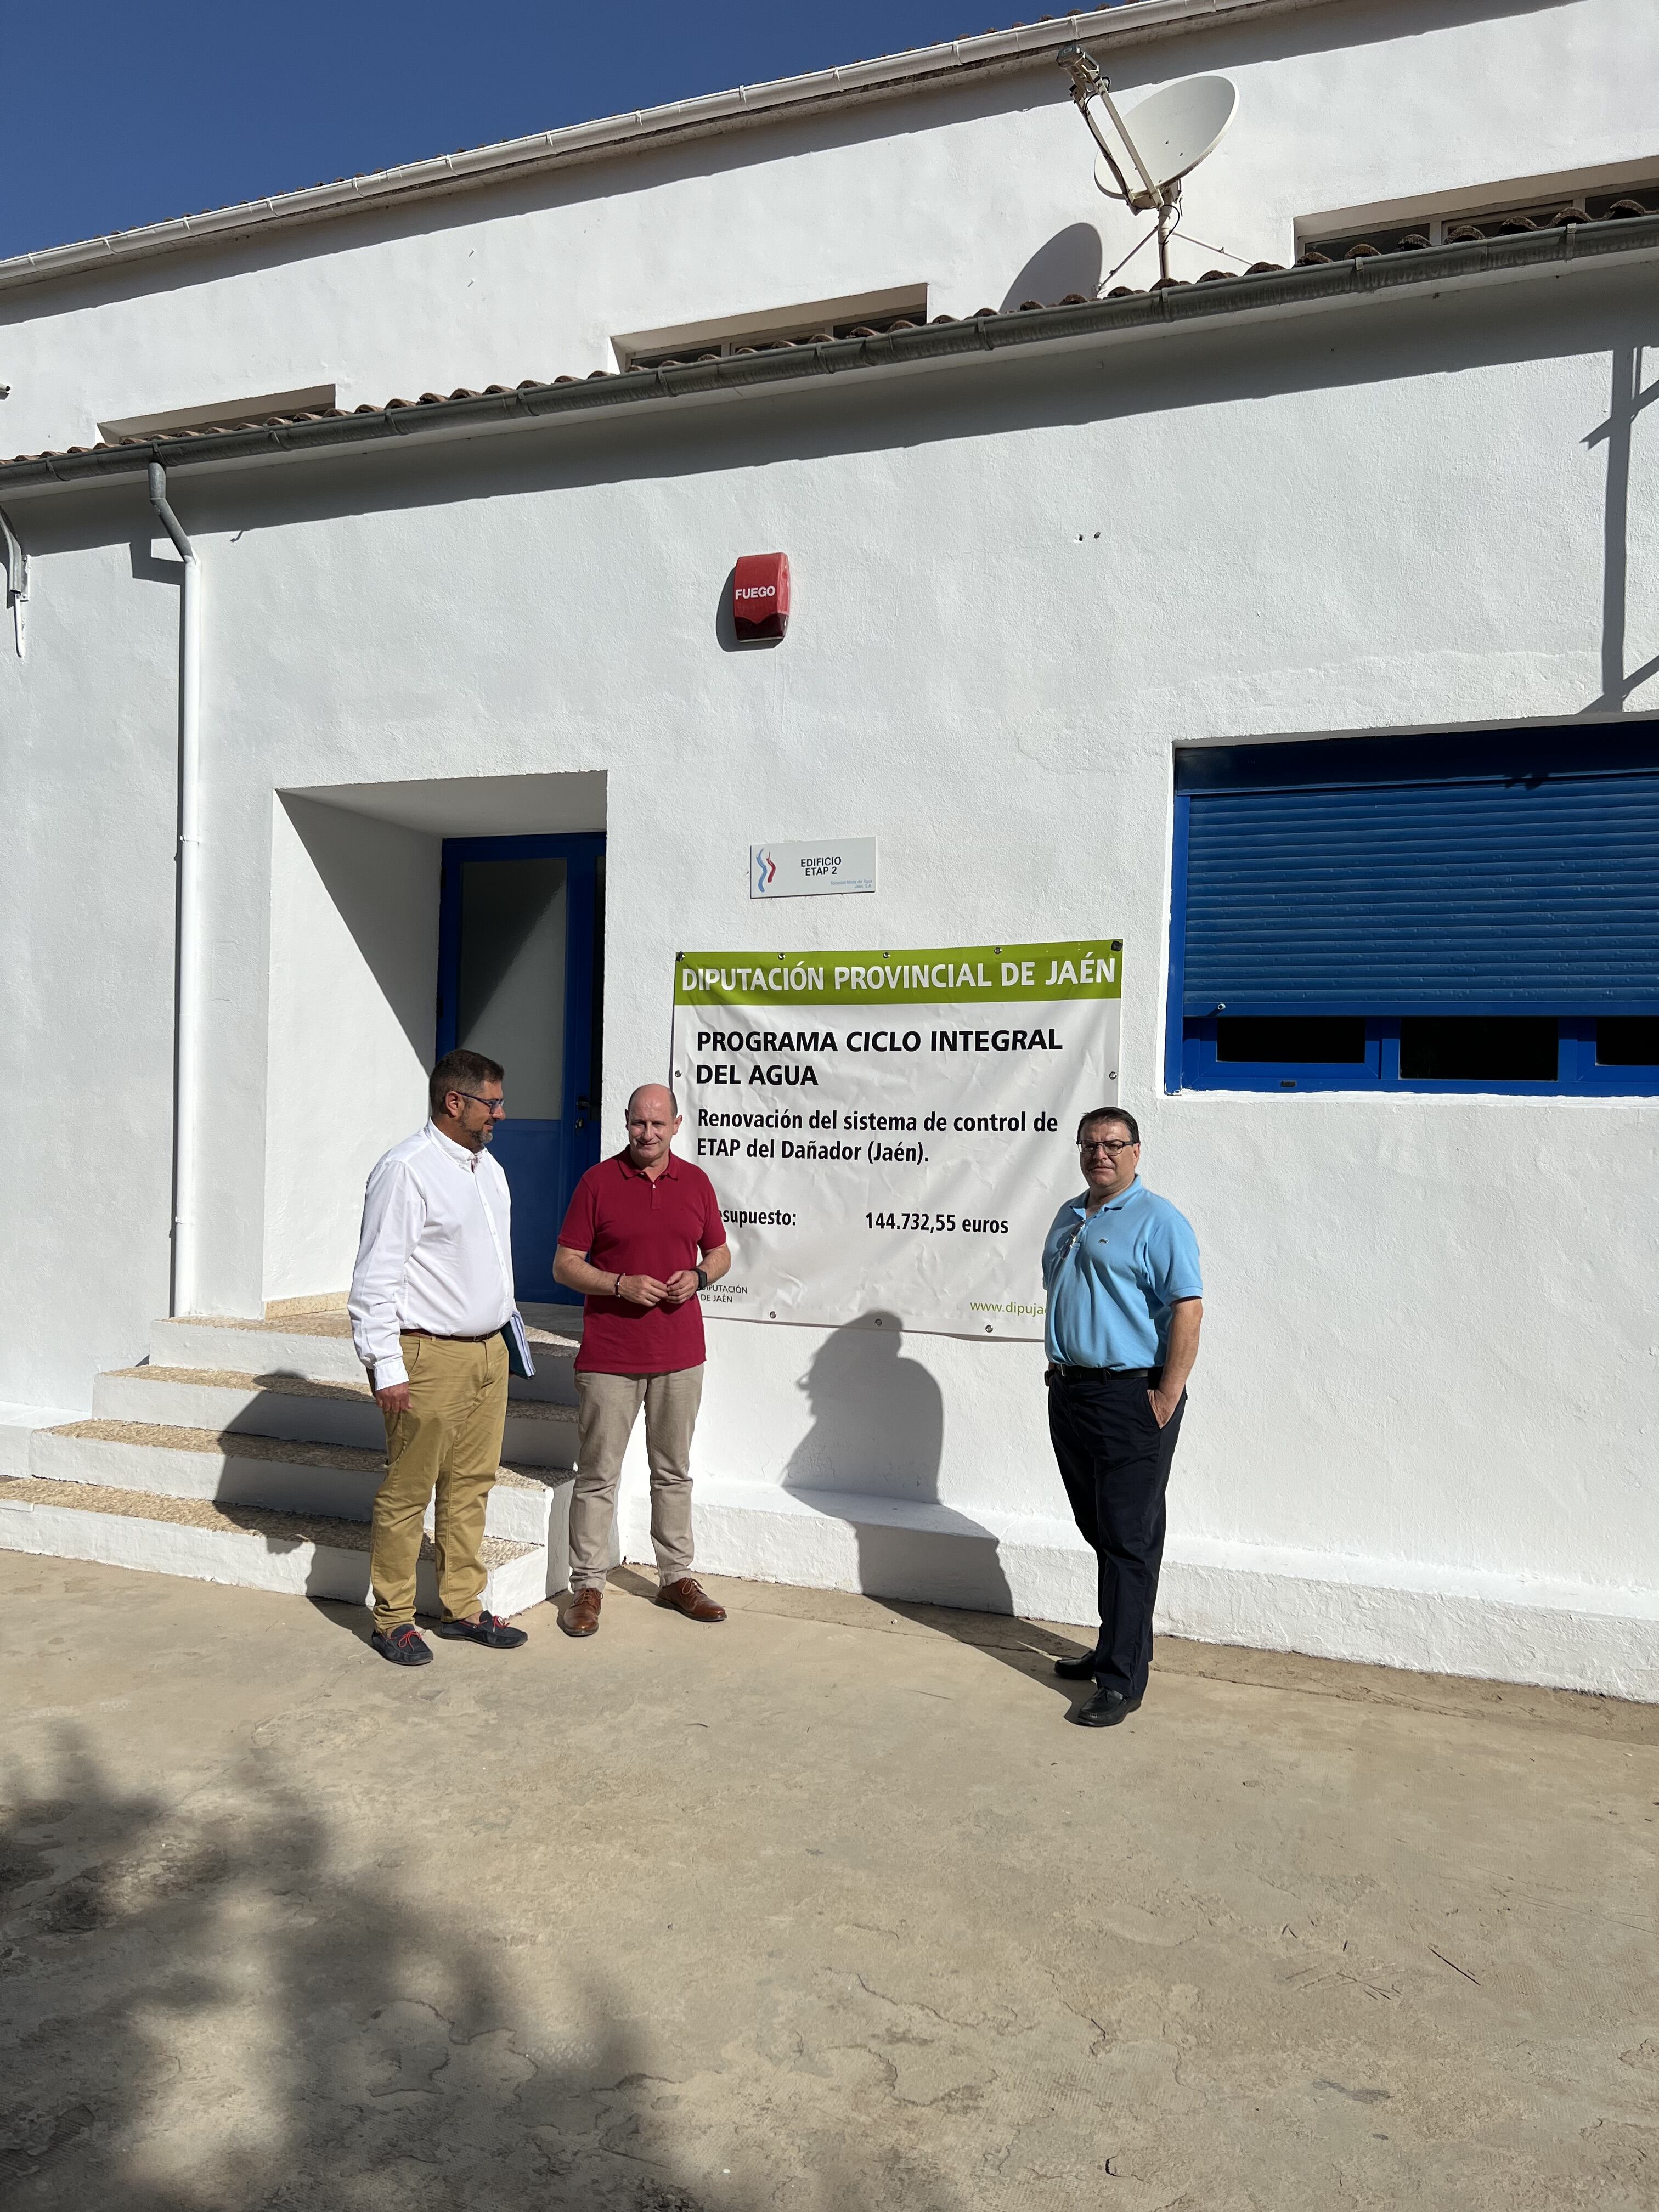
{"points": [[658, 1094], [653, 1118]]}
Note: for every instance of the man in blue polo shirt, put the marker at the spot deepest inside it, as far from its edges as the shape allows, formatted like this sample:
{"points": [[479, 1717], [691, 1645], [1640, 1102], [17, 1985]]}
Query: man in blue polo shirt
{"points": [[1125, 1304]]}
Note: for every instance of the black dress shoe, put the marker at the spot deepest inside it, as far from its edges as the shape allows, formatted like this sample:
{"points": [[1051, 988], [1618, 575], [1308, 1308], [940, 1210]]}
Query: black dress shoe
{"points": [[1076, 1670], [405, 1645], [1106, 1709], [488, 1628]]}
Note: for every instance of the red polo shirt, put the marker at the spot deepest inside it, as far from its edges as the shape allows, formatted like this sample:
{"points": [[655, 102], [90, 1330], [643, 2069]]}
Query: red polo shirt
{"points": [[627, 1224]]}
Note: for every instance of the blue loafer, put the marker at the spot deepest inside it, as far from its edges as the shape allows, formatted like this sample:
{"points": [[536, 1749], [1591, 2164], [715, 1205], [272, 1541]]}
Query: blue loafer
{"points": [[488, 1628], [405, 1645]]}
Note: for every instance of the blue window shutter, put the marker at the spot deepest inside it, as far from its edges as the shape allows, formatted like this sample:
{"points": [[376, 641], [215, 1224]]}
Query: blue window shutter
{"points": [[1503, 875]]}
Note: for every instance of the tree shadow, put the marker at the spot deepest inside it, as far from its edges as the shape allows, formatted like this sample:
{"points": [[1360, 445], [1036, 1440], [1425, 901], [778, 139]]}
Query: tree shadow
{"points": [[871, 1458], [208, 2007]]}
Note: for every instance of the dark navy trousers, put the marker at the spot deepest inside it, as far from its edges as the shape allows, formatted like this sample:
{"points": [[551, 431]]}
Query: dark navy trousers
{"points": [[1115, 1461]]}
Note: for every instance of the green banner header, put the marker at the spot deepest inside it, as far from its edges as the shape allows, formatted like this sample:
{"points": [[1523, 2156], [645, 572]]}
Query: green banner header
{"points": [[961, 974]]}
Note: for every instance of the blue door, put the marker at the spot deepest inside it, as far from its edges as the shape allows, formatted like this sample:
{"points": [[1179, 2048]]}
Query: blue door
{"points": [[520, 973]]}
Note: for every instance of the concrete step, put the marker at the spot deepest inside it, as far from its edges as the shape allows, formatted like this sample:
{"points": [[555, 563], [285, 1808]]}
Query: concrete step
{"points": [[218, 1540], [317, 1347], [17, 1427], [277, 1473], [538, 1435]]}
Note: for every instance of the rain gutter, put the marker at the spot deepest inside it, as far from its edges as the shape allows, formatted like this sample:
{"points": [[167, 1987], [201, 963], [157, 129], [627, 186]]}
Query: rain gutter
{"points": [[1177, 306]]}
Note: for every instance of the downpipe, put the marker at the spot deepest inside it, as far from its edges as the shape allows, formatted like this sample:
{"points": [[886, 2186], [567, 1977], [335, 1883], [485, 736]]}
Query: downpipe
{"points": [[186, 1073], [17, 576]]}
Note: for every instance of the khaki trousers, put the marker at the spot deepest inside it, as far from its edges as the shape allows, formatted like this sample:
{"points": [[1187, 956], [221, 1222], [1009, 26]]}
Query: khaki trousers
{"points": [[449, 1442], [608, 1407]]}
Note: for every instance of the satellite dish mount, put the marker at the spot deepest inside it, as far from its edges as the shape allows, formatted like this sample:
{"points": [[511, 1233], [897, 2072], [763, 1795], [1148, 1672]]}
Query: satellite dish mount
{"points": [[1174, 130]]}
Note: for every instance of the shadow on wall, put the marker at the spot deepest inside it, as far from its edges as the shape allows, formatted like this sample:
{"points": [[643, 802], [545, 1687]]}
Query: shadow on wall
{"points": [[877, 1434], [1627, 401], [1069, 262], [208, 2009], [376, 875]]}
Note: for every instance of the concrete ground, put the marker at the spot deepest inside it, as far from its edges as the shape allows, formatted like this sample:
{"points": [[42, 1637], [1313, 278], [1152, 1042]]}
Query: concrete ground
{"points": [[824, 1908]]}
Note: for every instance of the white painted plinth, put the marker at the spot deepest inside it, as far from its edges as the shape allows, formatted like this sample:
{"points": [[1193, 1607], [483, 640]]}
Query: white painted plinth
{"points": [[248, 1560], [17, 1426], [1392, 1613]]}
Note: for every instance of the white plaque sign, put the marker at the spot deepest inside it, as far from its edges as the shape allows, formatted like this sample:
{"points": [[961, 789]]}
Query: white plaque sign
{"points": [[811, 870]]}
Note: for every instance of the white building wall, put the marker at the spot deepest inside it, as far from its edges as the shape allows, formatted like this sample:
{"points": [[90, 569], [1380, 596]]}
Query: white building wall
{"points": [[1421, 1427], [87, 804], [976, 185]]}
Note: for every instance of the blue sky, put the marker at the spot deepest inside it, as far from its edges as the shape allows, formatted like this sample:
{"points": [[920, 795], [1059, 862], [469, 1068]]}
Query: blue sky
{"points": [[124, 114]]}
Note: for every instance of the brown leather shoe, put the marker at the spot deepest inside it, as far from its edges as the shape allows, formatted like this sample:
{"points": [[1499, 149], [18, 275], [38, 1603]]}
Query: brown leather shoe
{"points": [[691, 1599], [581, 1616]]}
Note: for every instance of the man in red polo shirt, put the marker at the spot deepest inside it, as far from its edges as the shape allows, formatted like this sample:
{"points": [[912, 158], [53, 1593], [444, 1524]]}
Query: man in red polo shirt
{"points": [[631, 1242]]}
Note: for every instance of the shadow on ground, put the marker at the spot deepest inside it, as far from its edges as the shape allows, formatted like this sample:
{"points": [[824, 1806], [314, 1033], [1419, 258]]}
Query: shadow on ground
{"points": [[356, 1620], [207, 2012], [1028, 1647]]}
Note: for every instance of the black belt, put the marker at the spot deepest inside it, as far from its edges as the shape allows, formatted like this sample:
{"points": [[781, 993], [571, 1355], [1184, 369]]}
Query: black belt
{"points": [[1148, 1375]]}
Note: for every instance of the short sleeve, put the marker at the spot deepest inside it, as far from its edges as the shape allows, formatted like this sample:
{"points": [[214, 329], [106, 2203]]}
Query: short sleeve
{"points": [[714, 1229], [580, 1220], [1172, 1250]]}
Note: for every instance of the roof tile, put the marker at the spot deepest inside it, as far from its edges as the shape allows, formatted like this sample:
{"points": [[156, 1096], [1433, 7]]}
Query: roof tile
{"points": [[1461, 234]]}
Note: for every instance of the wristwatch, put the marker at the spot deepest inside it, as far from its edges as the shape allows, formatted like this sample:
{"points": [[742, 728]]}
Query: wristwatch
{"points": [[702, 1278]]}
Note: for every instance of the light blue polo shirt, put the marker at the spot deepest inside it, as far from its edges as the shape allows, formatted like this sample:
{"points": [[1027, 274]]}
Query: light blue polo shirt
{"points": [[1112, 1277]]}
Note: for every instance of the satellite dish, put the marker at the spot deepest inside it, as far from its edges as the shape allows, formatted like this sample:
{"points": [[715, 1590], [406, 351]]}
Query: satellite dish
{"points": [[1170, 132], [1165, 138]]}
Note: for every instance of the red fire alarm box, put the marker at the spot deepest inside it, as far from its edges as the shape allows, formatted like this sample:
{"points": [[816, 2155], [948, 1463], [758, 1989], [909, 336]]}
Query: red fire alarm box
{"points": [[760, 595]]}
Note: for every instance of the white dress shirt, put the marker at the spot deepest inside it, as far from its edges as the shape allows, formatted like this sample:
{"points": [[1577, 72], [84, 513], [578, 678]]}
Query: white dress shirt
{"points": [[434, 1254]]}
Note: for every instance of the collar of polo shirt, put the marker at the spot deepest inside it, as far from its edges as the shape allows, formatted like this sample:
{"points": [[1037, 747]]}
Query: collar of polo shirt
{"points": [[670, 1167], [1111, 1204]]}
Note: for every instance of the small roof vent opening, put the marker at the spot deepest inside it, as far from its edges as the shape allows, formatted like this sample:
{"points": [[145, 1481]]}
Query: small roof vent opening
{"points": [[821, 318], [1537, 204], [222, 415]]}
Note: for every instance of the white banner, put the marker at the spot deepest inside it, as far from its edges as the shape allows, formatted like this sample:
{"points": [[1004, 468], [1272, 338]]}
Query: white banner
{"points": [[893, 1132]]}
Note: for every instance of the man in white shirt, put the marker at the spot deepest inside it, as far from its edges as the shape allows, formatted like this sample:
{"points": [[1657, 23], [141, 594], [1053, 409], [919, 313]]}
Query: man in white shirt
{"points": [[431, 1290]]}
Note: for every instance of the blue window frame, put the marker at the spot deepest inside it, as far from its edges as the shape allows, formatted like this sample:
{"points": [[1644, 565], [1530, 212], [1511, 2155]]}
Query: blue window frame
{"points": [[1432, 914]]}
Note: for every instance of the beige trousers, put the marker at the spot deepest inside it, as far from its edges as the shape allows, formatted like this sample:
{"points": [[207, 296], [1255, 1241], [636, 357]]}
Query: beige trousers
{"points": [[608, 1407], [449, 1442]]}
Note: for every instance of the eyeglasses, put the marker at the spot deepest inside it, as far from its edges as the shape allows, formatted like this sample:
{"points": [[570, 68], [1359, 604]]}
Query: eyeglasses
{"points": [[496, 1105], [1109, 1145]]}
